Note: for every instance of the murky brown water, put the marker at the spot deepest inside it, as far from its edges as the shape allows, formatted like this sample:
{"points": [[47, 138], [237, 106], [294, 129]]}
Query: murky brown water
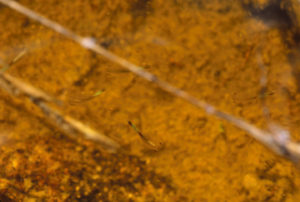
{"points": [[208, 48]]}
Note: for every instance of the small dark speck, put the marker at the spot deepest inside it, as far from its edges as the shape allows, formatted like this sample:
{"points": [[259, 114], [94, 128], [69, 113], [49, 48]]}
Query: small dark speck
{"points": [[25, 23], [106, 43]]}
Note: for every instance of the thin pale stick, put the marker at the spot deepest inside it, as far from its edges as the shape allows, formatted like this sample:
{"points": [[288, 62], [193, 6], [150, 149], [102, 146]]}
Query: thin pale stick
{"points": [[286, 148], [66, 123]]}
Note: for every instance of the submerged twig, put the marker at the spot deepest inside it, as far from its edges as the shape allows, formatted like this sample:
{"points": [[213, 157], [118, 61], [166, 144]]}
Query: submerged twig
{"points": [[278, 141], [71, 125], [68, 124], [38, 97], [16, 86]]}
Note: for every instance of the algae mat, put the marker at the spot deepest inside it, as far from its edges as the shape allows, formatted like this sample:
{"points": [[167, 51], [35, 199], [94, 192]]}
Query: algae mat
{"points": [[211, 49]]}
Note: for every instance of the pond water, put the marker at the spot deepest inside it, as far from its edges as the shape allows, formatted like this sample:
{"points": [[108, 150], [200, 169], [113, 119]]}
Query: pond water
{"points": [[218, 51]]}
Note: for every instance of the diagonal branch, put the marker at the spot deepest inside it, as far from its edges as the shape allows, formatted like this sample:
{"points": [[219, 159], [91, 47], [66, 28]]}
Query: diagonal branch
{"points": [[39, 98], [276, 140]]}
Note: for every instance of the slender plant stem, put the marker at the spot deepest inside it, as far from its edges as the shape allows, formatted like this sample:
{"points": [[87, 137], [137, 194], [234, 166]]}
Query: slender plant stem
{"points": [[277, 140]]}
